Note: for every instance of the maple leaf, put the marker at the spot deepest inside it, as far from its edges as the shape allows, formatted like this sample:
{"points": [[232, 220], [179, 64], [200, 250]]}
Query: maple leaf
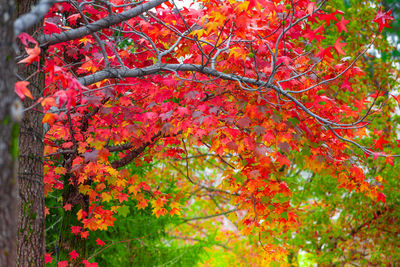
{"points": [[341, 25], [62, 97], [50, 118], [62, 264], [84, 234], [89, 264], [383, 19], [322, 53], [33, 54], [100, 242], [25, 38], [346, 85], [244, 122], [159, 212], [72, 19], [50, 27], [338, 46], [313, 34], [67, 207], [380, 142], [73, 254], [48, 258], [381, 197], [76, 230], [397, 98], [285, 60], [389, 160], [142, 204], [328, 18], [21, 88], [46, 211]]}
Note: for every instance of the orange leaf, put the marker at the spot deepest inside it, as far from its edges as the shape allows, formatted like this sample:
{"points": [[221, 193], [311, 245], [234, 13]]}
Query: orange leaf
{"points": [[84, 234], [50, 118], [22, 90], [33, 54]]}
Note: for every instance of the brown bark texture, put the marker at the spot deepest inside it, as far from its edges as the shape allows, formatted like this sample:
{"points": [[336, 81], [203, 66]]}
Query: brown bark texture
{"points": [[7, 174], [31, 225]]}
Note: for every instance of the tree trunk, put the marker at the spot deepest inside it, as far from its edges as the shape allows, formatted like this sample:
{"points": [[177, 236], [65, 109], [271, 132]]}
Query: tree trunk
{"points": [[31, 241], [8, 193]]}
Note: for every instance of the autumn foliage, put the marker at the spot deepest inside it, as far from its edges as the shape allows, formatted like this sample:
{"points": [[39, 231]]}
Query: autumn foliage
{"points": [[226, 103]]}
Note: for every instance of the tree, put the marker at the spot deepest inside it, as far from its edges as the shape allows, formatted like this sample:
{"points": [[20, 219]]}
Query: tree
{"points": [[7, 162], [31, 243], [349, 227], [248, 84], [11, 116]]}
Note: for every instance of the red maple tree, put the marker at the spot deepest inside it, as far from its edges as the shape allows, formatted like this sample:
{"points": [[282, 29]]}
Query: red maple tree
{"points": [[249, 82]]}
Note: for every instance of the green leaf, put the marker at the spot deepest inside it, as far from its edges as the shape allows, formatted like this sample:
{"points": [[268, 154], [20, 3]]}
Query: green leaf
{"points": [[124, 210]]}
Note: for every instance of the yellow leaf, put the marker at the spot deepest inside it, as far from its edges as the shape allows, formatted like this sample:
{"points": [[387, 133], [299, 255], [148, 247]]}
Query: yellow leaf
{"points": [[106, 197], [60, 170]]}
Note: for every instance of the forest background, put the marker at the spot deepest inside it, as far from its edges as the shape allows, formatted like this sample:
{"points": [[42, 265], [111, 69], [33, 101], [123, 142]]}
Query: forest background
{"points": [[240, 133]]}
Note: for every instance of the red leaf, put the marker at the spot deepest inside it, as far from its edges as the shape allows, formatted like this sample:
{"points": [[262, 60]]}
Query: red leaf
{"points": [[25, 38], [72, 19], [89, 264], [383, 19], [47, 258], [62, 263], [328, 18], [397, 98], [381, 197], [100, 242], [22, 90], [62, 97], [389, 160], [342, 24], [50, 28], [338, 46], [73, 255], [84, 234], [75, 230], [380, 142], [322, 53], [346, 85], [67, 207]]}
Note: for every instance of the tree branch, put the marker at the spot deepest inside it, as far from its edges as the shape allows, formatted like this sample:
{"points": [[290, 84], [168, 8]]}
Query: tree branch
{"points": [[104, 23]]}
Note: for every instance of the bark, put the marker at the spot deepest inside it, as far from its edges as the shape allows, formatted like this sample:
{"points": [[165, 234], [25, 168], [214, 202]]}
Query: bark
{"points": [[31, 242], [7, 175]]}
